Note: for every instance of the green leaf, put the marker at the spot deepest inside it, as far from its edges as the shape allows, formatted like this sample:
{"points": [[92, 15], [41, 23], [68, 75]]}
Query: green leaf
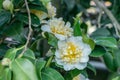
{"points": [[23, 69], [52, 40], [29, 54], [36, 2], [109, 61], [77, 30], [100, 32], [18, 3], [1, 1], [3, 48], [23, 17], [89, 41], [13, 29], [117, 58], [116, 78], [106, 41], [98, 51], [37, 5], [89, 66], [6, 74], [1, 70], [71, 74], [11, 53], [51, 74], [45, 2], [84, 3], [5, 16], [39, 66]]}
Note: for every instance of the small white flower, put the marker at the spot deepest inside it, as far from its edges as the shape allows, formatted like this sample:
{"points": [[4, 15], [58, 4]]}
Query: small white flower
{"points": [[8, 5], [80, 77], [42, 15], [51, 10], [58, 28], [6, 61], [72, 53]]}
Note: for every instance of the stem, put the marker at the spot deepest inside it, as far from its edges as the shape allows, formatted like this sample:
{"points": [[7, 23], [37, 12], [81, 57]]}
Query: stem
{"points": [[49, 61], [99, 19], [110, 15], [30, 29]]}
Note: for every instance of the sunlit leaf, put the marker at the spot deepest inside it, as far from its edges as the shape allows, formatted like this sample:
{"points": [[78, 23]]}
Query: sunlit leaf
{"points": [[23, 69], [11, 53], [39, 66], [106, 41], [29, 54]]}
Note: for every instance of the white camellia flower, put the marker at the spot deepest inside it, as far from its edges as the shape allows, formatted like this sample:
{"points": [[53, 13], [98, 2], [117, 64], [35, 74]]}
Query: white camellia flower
{"points": [[58, 27], [72, 53], [80, 77]]}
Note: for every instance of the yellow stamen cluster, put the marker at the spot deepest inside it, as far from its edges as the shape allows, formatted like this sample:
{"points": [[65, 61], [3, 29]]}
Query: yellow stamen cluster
{"points": [[72, 53]]}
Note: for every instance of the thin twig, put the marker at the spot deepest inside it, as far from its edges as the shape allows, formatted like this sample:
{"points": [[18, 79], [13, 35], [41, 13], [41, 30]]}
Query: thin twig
{"points": [[30, 29], [99, 19], [110, 15]]}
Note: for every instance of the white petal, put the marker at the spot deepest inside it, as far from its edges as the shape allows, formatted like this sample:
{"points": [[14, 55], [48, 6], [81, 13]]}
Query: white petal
{"points": [[86, 50], [81, 66], [84, 59], [61, 44], [60, 37], [68, 67], [46, 28], [82, 77], [58, 61], [68, 24], [57, 54]]}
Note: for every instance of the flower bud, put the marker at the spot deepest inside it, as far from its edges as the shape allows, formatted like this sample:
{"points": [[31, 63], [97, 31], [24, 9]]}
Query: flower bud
{"points": [[6, 62], [8, 5]]}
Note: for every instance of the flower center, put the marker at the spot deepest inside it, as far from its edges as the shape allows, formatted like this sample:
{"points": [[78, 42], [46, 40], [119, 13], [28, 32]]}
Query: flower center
{"points": [[73, 53], [58, 30]]}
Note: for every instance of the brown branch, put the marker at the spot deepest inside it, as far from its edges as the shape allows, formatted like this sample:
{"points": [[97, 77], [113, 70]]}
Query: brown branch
{"points": [[110, 15], [30, 29]]}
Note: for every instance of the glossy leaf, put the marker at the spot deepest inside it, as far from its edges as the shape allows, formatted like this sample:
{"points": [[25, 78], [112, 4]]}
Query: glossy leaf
{"points": [[39, 66], [106, 41], [98, 52], [117, 57], [5, 16], [89, 41], [29, 54], [89, 66], [23, 17], [51, 74], [71, 74], [52, 40], [13, 29], [37, 5], [6, 74], [100, 32], [77, 30], [11, 53], [109, 61], [18, 3], [23, 69]]}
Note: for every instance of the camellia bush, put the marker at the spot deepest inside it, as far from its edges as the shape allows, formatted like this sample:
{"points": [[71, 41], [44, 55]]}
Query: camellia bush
{"points": [[35, 44]]}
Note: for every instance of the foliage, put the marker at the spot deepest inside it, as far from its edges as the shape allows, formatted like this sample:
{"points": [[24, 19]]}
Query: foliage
{"points": [[38, 61]]}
